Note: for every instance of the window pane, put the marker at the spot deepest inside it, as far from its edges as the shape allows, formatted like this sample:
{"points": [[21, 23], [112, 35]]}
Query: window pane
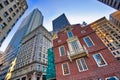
{"points": [[75, 46], [70, 34], [6, 2], [65, 68], [1, 6], [79, 65], [83, 63], [112, 78], [5, 14], [99, 59], [62, 51], [88, 41]]}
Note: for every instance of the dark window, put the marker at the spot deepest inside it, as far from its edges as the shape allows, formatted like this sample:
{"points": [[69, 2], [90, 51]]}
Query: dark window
{"points": [[2, 39], [24, 78], [18, 3], [20, 8], [5, 14], [118, 52], [114, 53], [8, 31], [13, 14], [14, 6], [6, 2], [118, 6], [9, 19], [1, 19], [10, 10], [38, 78], [111, 2], [11, 0], [1, 6], [3, 25], [115, 4], [17, 11]]}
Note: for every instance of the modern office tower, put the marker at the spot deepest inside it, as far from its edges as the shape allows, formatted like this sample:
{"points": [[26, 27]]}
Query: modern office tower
{"points": [[115, 18], [32, 60], [51, 72], [81, 55], [109, 34], [113, 3], [13, 47], [59, 23], [10, 12]]}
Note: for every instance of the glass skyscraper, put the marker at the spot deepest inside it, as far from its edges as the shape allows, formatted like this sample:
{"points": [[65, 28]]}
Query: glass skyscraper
{"points": [[33, 20], [59, 23], [113, 3]]}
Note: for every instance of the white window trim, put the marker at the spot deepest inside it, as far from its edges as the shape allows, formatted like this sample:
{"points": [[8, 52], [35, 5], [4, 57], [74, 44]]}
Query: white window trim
{"points": [[70, 45], [90, 39], [82, 66], [60, 51], [68, 34], [112, 76], [103, 60], [63, 69]]}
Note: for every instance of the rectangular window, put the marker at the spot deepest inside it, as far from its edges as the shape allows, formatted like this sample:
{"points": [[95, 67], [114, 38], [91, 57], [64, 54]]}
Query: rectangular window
{"points": [[9, 19], [11, 0], [65, 69], [38, 78], [3, 25], [14, 6], [1, 6], [88, 41], [70, 34], [75, 47], [1, 19], [10, 10], [99, 60], [23, 78], [62, 51], [5, 14], [17, 11], [81, 64], [6, 2], [112, 78], [13, 15]]}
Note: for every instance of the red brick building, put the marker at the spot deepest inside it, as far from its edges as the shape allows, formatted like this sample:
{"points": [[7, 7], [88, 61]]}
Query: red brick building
{"points": [[81, 55]]}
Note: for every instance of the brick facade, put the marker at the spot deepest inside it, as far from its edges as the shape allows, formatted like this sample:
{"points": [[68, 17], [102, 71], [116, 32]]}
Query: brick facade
{"points": [[94, 72]]}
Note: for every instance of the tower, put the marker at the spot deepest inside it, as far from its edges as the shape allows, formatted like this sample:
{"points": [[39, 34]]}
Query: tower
{"points": [[59, 23]]}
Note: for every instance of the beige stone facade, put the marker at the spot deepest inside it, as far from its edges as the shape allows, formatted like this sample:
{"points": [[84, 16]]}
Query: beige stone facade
{"points": [[10, 12], [115, 18], [32, 61], [109, 34]]}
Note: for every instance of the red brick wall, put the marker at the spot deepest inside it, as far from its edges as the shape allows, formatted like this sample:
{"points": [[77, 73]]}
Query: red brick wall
{"points": [[93, 71]]}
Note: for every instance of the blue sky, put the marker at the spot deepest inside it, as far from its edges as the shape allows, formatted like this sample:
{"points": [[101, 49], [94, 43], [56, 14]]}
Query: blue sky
{"points": [[76, 11]]}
